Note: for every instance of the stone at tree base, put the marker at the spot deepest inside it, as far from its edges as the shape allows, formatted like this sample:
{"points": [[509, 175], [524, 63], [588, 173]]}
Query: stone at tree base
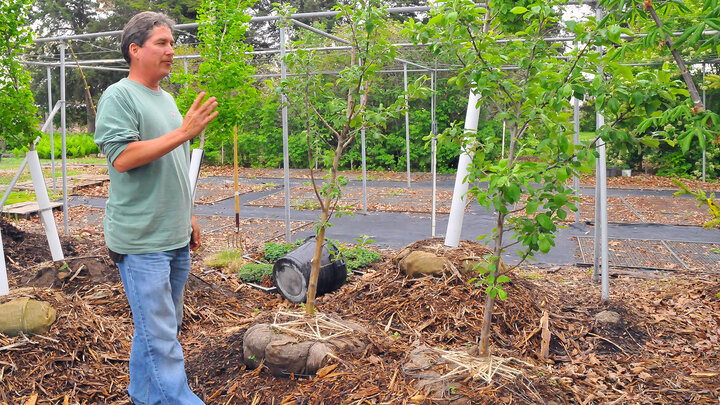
{"points": [[285, 354], [401, 255], [470, 265], [420, 263], [428, 370], [607, 317], [26, 315]]}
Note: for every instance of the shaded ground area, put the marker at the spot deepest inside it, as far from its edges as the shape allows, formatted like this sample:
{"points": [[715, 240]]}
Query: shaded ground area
{"points": [[662, 350]]}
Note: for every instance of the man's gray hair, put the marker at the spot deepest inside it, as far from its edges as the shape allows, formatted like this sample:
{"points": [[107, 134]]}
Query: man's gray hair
{"points": [[138, 30]]}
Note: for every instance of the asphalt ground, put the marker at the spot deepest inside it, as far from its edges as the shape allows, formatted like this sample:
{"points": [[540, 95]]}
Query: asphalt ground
{"points": [[396, 229]]}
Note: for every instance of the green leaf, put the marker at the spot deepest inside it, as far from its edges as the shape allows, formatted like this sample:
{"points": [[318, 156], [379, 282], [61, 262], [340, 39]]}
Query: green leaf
{"points": [[544, 245], [512, 193], [651, 142], [519, 10], [503, 279], [532, 207], [545, 221]]}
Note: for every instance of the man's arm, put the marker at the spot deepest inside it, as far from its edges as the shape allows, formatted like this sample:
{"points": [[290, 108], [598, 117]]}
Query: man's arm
{"points": [[139, 153], [195, 236]]}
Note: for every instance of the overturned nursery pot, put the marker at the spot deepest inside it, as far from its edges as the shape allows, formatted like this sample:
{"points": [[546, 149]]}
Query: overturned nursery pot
{"points": [[300, 344], [292, 271]]}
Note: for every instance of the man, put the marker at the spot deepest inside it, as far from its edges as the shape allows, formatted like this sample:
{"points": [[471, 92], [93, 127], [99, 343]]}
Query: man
{"points": [[149, 227]]}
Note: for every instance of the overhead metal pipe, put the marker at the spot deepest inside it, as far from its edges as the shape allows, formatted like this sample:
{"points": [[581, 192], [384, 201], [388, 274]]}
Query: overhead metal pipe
{"points": [[297, 16]]}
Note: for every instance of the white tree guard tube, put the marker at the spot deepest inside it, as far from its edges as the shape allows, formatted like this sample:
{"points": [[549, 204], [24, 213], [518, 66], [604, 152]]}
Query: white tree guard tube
{"points": [[459, 201], [194, 172], [43, 200], [4, 288]]}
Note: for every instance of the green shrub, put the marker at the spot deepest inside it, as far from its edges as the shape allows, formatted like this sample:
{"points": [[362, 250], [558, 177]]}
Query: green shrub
{"points": [[254, 272], [274, 251], [77, 145], [360, 257]]}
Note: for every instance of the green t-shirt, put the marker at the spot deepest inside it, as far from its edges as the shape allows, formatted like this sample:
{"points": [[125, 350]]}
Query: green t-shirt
{"points": [[149, 207]]}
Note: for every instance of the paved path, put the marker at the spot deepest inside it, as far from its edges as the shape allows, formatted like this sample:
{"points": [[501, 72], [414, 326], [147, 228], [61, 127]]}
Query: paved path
{"points": [[395, 230]]}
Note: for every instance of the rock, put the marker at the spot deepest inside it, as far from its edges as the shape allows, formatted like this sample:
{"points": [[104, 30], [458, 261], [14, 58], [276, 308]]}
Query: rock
{"points": [[607, 317], [401, 255], [26, 315], [419, 263]]}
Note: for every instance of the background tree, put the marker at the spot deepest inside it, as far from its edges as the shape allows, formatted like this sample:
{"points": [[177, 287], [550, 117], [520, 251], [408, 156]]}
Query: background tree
{"points": [[18, 120], [224, 71], [336, 107]]}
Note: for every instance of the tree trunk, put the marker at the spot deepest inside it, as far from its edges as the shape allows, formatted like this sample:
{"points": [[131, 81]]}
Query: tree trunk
{"points": [[90, 113], [315, 270], [694, 95], [490, 302]]}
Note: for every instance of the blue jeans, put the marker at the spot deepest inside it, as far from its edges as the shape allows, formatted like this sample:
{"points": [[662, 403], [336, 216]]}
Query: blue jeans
{"points": [[154, 284]]}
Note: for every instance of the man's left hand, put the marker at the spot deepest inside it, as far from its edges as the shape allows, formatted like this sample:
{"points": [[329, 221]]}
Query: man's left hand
{"points": [[195, 236]]}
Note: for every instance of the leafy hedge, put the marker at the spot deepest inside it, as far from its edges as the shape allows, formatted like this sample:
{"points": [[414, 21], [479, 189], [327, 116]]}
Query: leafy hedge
{"points": [[78, 145]]}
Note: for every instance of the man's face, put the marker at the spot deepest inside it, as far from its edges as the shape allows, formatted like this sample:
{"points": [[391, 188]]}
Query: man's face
{"points": [[155, 57]]}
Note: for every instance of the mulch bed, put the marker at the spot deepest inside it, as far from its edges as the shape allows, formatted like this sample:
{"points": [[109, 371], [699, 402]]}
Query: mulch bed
{"points": [[663, 351]]}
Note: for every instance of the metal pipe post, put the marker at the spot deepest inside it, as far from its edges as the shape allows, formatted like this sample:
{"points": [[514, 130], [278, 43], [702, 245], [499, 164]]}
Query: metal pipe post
{"points": [[51, 129], [407, 125], [705, 105], [433, 154], [502, 148], [364, 169], [63, 125], [576, 140], [286, 147], [4, 287]]}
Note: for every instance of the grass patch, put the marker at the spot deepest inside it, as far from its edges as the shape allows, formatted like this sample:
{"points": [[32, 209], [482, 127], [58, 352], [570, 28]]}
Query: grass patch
{"points": [[228, 259]]}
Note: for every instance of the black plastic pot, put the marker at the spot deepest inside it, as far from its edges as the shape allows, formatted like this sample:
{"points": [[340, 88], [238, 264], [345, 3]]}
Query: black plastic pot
{"points": [[292, 271]]}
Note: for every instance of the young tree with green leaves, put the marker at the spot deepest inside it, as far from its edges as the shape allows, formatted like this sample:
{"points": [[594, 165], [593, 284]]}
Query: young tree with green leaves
{"points": [[224, 70], [337, 107], [528, 81], [18, 119]]}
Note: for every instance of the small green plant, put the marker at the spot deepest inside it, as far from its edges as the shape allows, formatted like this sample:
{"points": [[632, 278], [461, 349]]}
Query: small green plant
{"points": [[274, 251], [356, 257], [307, 204], [254, 272], [360, 257], [702, 200]]}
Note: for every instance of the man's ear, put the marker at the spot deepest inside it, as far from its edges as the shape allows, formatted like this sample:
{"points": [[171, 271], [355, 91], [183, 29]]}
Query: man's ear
{"points": [[133, 50]]}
